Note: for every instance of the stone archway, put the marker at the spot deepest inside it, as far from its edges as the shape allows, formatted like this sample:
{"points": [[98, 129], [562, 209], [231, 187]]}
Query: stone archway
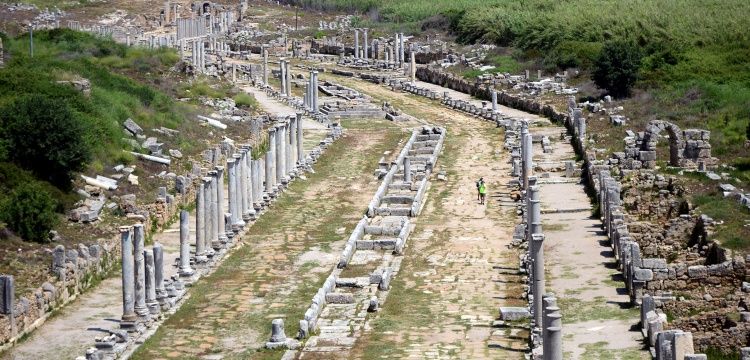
{"points": [[687, 148], [651, 139], [206, 7]]}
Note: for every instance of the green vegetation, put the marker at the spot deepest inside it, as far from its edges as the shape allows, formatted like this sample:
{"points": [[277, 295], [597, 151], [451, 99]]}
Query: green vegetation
{"points": [[61, 112], [733, 233], [30, 212], [41, 134], [245, 100], [616, 68]]}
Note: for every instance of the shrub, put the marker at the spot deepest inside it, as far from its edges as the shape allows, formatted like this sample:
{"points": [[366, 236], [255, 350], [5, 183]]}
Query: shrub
{"points": [[245, 100], [616, 68], [30, 212], [43, 135]]}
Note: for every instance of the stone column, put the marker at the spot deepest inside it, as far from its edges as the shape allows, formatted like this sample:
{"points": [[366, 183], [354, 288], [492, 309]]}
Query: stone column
{"points": [[395, 49], [282, 67], [494, 100], [300, 150], [356, 43], [140, 277], [161, 291], [221, 226], [185, 270], [526, 156], [231, 169], [200, 223], [401, 49], [257, 192], [250, 193], [239, 218], [413, 66], [536, 246], [315, 92], [293, 143], [289, 157], [553, 337], [264, 51], [280, 156], [289, 78], [407, 169], [128, 279], [151, 303], [367, 44], [271, 162], [214, 211]]}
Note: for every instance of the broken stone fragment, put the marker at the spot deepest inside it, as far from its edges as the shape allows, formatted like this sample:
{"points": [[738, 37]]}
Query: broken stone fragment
{"points": [[175, 153], [132, 127]]}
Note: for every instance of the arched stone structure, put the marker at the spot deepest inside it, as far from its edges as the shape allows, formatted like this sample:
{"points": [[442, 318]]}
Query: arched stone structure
{"points": [[687, 148]]}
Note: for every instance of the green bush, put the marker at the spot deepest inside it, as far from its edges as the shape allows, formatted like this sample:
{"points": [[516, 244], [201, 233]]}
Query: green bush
{"points": [[30, 212], [245, 100], [616, 68], [43, 135]]}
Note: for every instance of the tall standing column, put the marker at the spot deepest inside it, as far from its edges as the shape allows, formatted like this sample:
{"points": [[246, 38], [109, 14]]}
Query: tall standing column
{"points": [[128, 276], [271, 162], [161, 291], [214, 244], [209, 221], [536, 249], [401, 49], [316, 106], [244, 184], [220, 225], [288, 161], [151, 303], [239, 186], [289, 78], [249, 192], [185, 269], [232, 190], [280, 166], [265, 65], [356, 43], [553, 337], [396, 50], [413, 66], [282, 68], [140, 277], [300, 151], [200, 223], [367, 44], [292, 142]]}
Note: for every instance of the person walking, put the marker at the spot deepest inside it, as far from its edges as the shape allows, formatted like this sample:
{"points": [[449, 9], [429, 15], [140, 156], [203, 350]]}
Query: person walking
{"points": [[479, 184], [482, 193]]}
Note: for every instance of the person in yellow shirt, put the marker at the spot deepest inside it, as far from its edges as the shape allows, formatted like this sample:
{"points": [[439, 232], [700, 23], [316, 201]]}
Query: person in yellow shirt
{"points": [[482, 192]]}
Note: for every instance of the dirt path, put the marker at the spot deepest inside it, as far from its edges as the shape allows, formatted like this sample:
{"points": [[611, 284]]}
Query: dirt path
{"points": [[597, 315], [457, 269], [284, 258]]}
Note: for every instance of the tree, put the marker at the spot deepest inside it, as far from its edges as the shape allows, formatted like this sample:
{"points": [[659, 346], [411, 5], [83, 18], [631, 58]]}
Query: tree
{"points": [[616, 68], [43, 135], [30, 212]]}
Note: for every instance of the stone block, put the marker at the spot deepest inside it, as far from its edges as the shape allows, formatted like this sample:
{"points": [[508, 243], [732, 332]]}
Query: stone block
{"points": [[508, 313], [339, 298], [643, 274], [654, 263], [697, 272]]}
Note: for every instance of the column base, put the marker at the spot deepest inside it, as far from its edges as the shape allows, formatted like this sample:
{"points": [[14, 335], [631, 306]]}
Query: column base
{"points": [[186, 273], [202, 258], [223, 239], [143, 314], [128, 323], [210, 251], [153, 308]]}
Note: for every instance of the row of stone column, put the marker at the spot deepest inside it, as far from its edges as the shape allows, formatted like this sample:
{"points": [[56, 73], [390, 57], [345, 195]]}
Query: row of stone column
{"points": [[198, 55], [546, 320], [188, 28], [310, 100], [143, 290]]}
